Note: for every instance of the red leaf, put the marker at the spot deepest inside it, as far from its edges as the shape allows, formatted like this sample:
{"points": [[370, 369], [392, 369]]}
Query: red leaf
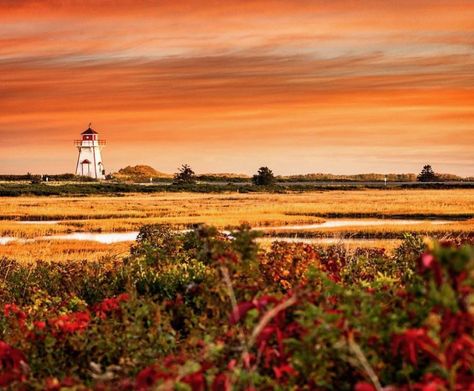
{"points": [[427, 260], [12, 365], [283, 370], [221, 383], [364, 386], [240, 311], [196, 381], [411, 341], [147, 378]]}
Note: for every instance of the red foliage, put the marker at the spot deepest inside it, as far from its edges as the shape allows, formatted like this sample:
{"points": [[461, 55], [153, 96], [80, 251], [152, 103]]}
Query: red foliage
{"points": [[287, 263], [70, 323], [412, 341], [442, 341], [221, 383], [195, 380], [227, 257], [53, 384], [39, 325], [461, 352], [429, 262], [168, 369], [241, 309], [13, 309], [363, 386], [430, 383], [333, 262], [456, 324], [111, 305], [13, 365], [147, 378], [282, 370]]}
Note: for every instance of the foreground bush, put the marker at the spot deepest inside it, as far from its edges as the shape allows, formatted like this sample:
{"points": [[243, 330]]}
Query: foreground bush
{"points": [[203, 311]]}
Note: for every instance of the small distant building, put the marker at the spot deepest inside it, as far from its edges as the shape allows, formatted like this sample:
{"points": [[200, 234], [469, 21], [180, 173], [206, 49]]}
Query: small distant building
{"points": [[89, 160]]}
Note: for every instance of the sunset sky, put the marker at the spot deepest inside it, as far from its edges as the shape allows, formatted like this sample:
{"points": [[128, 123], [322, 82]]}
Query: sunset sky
{"points": [[229, 86]]}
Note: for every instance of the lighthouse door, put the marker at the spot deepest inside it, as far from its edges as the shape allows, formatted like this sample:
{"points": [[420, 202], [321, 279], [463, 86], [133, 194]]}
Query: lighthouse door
{"points": [[87, 171]]}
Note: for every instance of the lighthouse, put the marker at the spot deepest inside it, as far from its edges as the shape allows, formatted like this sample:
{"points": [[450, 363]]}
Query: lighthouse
{"points": [[89, 161]]}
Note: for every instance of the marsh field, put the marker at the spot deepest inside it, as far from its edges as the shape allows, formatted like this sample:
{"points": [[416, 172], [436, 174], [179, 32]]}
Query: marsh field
{"points": [[78, 227]]}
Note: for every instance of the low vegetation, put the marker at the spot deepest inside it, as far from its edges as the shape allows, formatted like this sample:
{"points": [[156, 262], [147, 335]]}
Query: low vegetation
{"points": [[201, 310], [144, 173], [132, 179], [89, 187]]}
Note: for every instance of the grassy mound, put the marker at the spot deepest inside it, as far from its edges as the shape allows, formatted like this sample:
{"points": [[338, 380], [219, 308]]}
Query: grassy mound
{"points": [[139, 172]]}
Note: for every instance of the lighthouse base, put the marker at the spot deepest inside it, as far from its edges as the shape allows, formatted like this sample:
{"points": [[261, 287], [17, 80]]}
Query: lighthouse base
{"points": [[89, 162]]}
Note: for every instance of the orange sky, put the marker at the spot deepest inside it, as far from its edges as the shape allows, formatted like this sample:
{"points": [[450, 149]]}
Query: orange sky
{"points": [[228, 86]]}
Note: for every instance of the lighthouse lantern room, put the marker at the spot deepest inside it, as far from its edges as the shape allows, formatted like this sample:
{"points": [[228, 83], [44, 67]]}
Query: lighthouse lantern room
{"points": [[89, 161]]}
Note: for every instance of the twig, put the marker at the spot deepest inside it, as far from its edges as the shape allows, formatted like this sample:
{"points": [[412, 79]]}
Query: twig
{"points": [[233, 300], [269, 315], [364, 363]]}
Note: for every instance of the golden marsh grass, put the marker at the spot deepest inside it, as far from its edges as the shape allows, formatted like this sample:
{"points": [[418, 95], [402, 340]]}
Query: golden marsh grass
{"points": [[381, 231], [114, 214], [129, 212], [62, 251]]}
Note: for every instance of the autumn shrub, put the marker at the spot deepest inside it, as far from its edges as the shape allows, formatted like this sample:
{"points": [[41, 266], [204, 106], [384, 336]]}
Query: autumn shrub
{"points": [[288, 263], [326, 335], [61, 337], [206, 310], [91, 281]]}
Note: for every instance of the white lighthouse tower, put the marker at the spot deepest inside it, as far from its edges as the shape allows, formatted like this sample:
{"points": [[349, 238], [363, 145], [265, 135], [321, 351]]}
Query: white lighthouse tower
{"points": [[89, 161]]}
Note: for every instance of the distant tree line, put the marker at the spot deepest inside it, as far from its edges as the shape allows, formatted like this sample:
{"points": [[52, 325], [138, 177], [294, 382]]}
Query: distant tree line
{"points": [[371, 177], [266, 177], [185, 176]]}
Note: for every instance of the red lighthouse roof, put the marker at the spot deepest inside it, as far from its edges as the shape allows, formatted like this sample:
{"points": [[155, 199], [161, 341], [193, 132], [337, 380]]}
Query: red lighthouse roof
{"points": [[89, 130]]}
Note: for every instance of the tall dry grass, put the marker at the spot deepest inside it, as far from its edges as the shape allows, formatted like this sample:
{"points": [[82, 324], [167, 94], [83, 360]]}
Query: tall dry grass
{"points": [[382, 231], [223, 210], [62, 251]]}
